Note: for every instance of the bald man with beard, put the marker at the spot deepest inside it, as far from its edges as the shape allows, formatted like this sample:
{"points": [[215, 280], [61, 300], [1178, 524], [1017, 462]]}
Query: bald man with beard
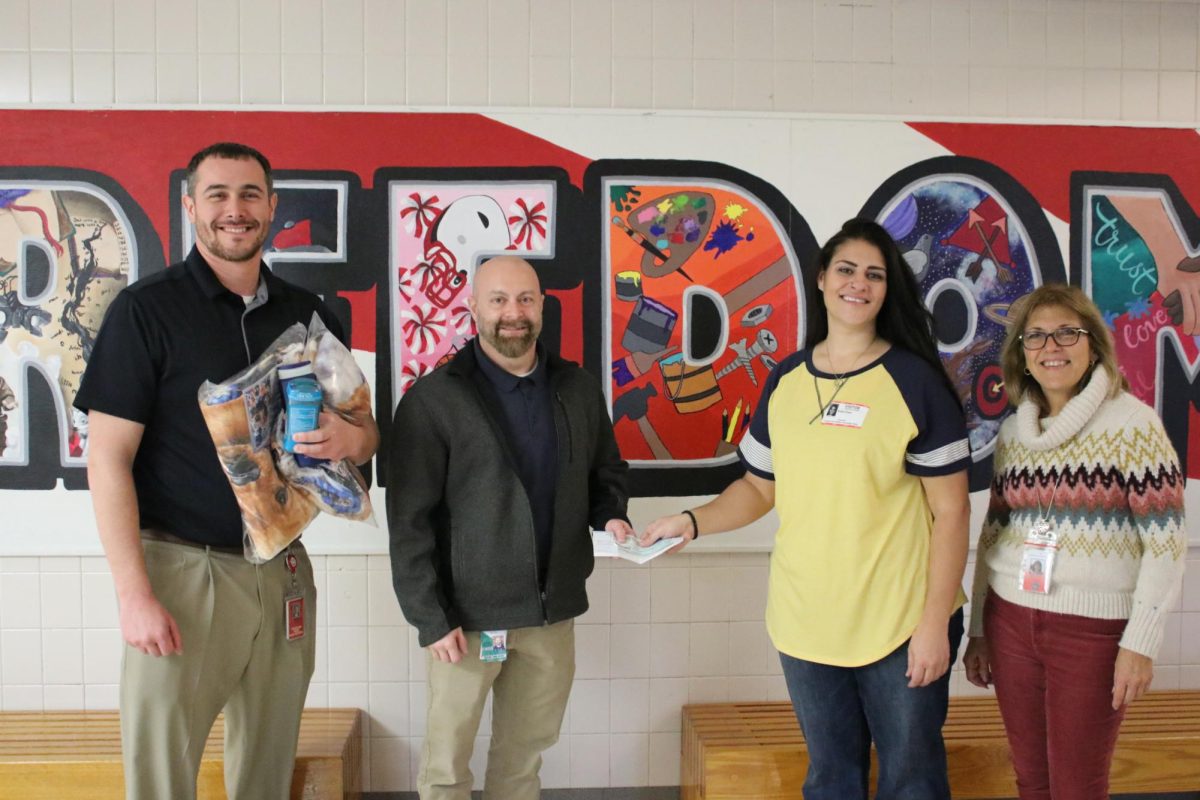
{"points": [[501, 462]]}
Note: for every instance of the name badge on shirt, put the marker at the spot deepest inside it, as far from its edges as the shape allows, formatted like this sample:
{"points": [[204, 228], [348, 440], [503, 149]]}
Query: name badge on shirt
{"points": [[845, 415], [1037, 558], [294, 617], [293, 601], [493, 645]]}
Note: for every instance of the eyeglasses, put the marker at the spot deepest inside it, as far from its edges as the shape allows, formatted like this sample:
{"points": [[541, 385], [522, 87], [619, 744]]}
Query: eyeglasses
{"points": [[1064, 337]]}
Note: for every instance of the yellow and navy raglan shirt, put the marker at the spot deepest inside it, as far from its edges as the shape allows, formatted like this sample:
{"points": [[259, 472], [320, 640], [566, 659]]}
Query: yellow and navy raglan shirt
{"points": [[850, 564]]}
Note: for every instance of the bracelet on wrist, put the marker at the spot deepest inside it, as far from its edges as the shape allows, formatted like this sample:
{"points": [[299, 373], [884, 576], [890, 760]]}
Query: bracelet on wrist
{"points": [[695, 526]]}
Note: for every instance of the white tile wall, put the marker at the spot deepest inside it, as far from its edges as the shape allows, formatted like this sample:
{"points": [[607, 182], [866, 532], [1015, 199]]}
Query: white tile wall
{"points": [[1069, 59], [682, 630], [639, 660], [629, 761]]}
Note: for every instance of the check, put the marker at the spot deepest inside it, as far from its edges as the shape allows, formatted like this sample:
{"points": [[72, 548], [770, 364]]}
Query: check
{"points": [[605, 546]]}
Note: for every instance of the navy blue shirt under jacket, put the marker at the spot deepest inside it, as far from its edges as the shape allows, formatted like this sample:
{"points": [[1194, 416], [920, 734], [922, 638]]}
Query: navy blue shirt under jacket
{"points": [[528, 414]]}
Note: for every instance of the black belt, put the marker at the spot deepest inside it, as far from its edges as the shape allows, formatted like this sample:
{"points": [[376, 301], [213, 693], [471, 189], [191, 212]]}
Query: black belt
{"points": [[155, 535]]}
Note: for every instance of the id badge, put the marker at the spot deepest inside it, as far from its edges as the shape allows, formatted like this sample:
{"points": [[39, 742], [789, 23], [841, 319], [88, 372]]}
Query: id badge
{"points": [[1037, 558], [293, 602], [493, 645], [845, 415], [293, 616]]}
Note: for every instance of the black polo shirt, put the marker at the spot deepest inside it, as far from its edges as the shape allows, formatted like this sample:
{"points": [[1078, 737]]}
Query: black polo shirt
{"points": [[161, 339], [527, 410]]}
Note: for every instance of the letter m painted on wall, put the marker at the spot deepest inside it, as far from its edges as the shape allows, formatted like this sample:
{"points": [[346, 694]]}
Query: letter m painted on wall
{"points": [[1135, 248]]}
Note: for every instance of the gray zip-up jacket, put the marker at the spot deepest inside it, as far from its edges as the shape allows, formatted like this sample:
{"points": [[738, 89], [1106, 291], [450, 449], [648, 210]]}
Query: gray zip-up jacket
{"points": [[462, 540]]}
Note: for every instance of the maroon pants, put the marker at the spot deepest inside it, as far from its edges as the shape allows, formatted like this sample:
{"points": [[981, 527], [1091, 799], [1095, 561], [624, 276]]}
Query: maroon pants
{"points": [[1054, 676]]}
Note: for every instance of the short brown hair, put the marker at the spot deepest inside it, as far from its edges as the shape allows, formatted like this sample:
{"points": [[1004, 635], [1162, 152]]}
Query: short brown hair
{"points": [[232, 150], [1017, 381]]}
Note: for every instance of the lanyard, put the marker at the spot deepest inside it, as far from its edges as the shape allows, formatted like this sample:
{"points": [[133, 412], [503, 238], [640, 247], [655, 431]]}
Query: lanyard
{"points": [[821, 406], [291, 562], [838, 380], [1053, 494]]}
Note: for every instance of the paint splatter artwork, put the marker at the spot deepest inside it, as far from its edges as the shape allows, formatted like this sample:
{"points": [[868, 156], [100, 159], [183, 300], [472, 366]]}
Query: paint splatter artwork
{"points": [[702, 292]]}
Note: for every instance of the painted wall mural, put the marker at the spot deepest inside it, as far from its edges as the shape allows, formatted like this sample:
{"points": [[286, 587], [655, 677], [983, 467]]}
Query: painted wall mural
{"points": [[968, 242], [442, 235], [1139, 263], [702, 299], [66, 249], [678, 283]]}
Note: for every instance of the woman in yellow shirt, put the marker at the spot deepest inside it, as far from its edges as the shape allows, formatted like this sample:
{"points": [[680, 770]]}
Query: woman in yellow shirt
{"points": [[859, 443]]}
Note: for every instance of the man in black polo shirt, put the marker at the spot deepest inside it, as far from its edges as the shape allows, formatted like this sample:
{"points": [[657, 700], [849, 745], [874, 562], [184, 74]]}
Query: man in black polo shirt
{"points": [[204, 628], [509, 457]]}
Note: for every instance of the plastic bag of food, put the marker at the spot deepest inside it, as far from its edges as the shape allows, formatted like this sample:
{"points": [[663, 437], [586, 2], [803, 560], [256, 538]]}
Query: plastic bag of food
{"points": [[244, 415], [336, 487]]}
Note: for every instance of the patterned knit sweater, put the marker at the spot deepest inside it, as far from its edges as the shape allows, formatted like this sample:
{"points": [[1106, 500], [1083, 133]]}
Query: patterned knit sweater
{"points": [[1118, 512]]}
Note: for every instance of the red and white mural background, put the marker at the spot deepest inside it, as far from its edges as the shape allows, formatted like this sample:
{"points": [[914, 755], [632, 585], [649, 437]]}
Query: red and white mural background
{"points": [[672, 248]]}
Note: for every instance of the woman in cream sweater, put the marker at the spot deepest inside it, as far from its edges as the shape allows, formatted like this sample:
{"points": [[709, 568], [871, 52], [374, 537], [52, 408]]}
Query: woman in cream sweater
{"points": [[1082, 550]]}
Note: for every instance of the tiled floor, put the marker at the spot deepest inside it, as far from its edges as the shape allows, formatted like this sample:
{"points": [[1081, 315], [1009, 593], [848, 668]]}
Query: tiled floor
{"points": [[672, 793], [651, 793]]}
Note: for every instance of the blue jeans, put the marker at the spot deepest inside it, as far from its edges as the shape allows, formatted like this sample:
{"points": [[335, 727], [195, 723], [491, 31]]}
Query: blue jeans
{"points": [[842, 709]]}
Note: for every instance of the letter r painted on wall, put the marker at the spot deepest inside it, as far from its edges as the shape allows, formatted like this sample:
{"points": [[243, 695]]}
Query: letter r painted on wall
{"points": [[70, 240]]}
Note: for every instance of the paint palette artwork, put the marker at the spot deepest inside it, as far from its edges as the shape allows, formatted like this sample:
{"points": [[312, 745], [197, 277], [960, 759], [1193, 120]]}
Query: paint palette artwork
{"points": [[702, 291], [669, 229]]}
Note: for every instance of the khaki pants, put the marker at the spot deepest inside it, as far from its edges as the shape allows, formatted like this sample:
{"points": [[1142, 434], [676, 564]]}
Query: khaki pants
{"points": [[530, 691], [235, 656]]}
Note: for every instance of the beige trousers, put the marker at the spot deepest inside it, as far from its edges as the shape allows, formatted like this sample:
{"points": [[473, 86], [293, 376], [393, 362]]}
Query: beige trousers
{"points": [[236, 656], [530, 691]]}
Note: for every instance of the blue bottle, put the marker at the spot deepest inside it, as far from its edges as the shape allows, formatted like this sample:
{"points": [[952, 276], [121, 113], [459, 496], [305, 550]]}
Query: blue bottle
{"points": [[302, 405]]}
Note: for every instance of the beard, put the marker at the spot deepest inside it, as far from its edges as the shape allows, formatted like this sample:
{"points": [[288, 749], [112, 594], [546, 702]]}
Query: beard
{"points": [[511, 346], [210, 237]]}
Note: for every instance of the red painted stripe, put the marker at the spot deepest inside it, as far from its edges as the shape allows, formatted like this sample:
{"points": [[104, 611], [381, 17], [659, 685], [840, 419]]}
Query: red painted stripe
{"points": [[1042, 157], [140, 148]]}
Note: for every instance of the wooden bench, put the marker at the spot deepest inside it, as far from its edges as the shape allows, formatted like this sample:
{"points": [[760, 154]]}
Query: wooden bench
{"points": [[755, 750], [53, 755]]}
